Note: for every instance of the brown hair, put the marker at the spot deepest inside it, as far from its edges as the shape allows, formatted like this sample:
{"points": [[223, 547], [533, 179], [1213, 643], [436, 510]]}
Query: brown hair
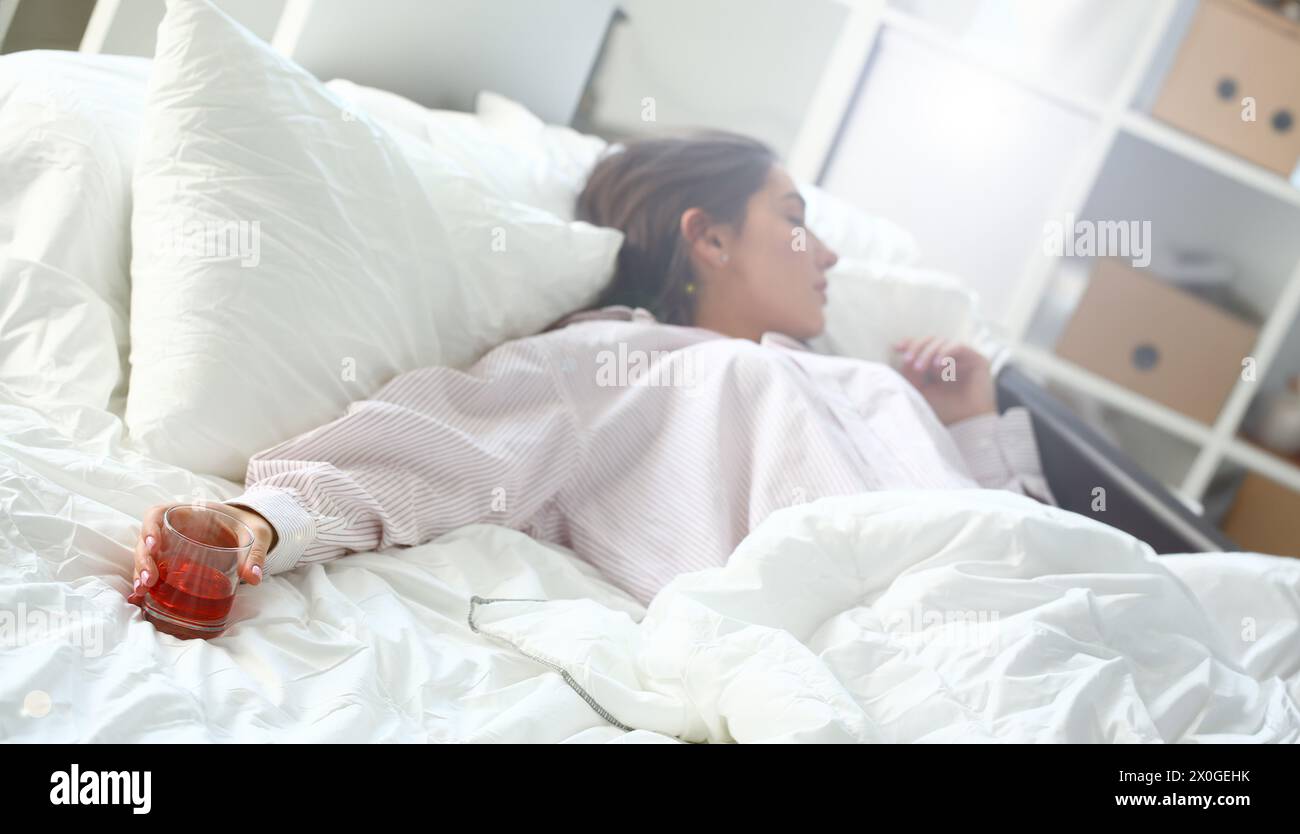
{"points": [[643, 190]]}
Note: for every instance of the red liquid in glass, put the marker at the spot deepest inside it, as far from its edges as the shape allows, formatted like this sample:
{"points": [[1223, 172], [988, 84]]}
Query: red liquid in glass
{"points": [[187, 589], [193, 592]]}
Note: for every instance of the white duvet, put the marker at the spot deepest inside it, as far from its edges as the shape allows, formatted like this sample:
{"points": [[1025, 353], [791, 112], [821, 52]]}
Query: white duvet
{"points": [[943, 616]]}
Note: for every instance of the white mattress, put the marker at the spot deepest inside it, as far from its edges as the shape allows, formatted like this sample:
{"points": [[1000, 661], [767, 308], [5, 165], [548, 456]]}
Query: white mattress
{"points": [[816, 629]]}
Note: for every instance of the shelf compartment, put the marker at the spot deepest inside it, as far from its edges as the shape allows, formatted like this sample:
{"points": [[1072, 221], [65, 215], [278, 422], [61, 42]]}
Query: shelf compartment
{"points": [[1208, 156], [1195, 208], [1263, 515], [1071, 376]]}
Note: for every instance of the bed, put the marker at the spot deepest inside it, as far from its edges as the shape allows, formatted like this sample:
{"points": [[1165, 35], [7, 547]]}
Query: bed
{"points": [[965, 615], [1067, 630]]}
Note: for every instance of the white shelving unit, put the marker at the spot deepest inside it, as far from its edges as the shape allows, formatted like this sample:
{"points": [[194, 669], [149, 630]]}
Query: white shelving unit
{"points": [[1123, 142]]}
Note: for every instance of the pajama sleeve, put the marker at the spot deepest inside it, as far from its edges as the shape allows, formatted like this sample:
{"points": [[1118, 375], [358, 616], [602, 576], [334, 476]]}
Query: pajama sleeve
{"points": [[1001, 452], [433, 450]]}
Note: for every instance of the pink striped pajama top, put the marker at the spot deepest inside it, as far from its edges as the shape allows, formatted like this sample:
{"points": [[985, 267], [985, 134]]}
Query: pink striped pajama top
{"points": [[648, 449]]}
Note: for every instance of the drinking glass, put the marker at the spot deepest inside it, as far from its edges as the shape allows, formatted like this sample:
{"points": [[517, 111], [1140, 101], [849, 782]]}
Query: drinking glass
{"points": [[198, 571]]}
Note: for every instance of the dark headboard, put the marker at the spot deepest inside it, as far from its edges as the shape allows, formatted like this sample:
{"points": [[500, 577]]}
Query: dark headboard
{"points": [[1077, 460]]}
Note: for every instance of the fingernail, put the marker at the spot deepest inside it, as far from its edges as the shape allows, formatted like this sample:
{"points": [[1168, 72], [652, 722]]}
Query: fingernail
{"points": [[919, 364], [148, 543], [137, 583], [144, 577], [257, 571], [907, 357]]}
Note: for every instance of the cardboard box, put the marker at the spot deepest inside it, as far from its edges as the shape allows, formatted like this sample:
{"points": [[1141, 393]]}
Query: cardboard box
{"points": [[1157, 340], [1265, 518], [1236, 50]]}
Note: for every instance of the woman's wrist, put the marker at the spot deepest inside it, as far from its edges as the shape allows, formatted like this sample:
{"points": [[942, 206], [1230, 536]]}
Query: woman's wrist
{"points": [[254, 519]]}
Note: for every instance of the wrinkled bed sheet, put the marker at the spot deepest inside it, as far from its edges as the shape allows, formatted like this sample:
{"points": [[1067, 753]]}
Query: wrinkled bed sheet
{"points": [[943, 616]]}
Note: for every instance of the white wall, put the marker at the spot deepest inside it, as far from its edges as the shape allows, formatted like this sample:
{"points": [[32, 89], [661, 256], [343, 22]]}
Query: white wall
{"points": [[966, 162], [130, 27], [744, 65], [441, 53]]}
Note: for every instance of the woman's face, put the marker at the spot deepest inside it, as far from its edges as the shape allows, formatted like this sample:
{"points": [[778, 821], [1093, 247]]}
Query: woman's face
{"points": [[770, 274]]}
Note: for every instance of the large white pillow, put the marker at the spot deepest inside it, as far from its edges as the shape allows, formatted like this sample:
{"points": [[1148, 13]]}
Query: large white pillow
{"points": [[360, 255], [68, 125]]}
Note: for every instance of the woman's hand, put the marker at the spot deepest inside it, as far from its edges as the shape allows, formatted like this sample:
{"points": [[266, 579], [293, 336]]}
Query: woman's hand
{"points": [[150, 540], [955, 379]]}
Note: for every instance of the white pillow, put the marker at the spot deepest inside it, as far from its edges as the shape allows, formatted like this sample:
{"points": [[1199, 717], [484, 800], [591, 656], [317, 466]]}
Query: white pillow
{"points": [[393, 111], [68, 125], [561, 153], [361, 255], [870, 306], [515, 163]]}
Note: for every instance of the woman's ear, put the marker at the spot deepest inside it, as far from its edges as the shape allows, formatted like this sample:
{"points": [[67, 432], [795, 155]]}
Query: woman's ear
{"points": [[705, 239]]}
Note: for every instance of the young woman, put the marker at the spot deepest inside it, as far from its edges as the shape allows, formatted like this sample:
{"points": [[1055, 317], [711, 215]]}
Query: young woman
{"points": [[653, 432]]}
